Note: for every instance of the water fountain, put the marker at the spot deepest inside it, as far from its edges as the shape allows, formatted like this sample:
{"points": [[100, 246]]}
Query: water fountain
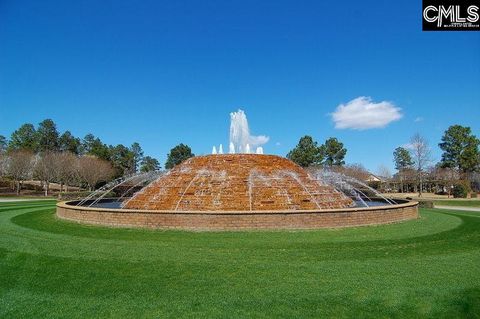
{"points": [[235, 191]]}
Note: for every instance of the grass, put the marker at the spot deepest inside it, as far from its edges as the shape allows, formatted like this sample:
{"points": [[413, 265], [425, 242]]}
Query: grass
{"points": [[426, 268], [458, 202]]}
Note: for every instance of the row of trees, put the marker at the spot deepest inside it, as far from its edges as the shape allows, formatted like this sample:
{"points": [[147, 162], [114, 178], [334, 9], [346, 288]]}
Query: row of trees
{"points": [[46, 138], [416, 170], [67, 168], [47, 167], [459, 163]]}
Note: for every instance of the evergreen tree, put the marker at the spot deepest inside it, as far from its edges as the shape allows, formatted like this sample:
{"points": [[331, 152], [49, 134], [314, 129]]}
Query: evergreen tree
{"points": [[47, 136], [70, 143], [137, 156], [149, 164], [334, 152], [460, 149], [122, 159], [25, 138], [402, 158], [92, 145], [177, 155], [307, 152]]}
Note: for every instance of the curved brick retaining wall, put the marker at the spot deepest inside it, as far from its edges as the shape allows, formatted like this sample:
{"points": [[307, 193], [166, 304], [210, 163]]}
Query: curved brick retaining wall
{"points": [[239, 220]]}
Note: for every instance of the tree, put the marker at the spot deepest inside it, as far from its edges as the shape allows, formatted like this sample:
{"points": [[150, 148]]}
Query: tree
{"points": [[307, 152], [122, 159], [92, 170], [403, 163], [47, 136], [421, 155], [355, 170], [3, 144], [137, 156], [334, 152], [92, 145], [69, 143], [45, 169], [65, 170], [25, 138], [177, 155], [460, 149], [20, 166], [149, 164], [402, 158]]}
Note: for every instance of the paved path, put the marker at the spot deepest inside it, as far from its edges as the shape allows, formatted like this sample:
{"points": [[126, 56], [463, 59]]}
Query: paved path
{"points": [[469, 209], [7, 200]]}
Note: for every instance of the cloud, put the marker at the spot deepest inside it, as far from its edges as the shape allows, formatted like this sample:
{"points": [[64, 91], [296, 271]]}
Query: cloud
{"points": [[362, 114], [418, 119], [258, 140], [278, 144]]}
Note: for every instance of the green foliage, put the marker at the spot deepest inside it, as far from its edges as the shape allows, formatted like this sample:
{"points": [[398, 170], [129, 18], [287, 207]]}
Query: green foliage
{"points": [[137, 156], [460, 149], [24, 138], [307, 152], [424, 268], [461, 190], [402, 158], [334, 152], [47, 136], [122, 159], [92, 145], [149, 164], [177, 155], [69, 143]]}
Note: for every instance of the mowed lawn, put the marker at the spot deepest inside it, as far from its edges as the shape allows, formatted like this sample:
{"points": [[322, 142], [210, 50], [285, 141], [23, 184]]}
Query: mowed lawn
{"points": [[426, 268]]}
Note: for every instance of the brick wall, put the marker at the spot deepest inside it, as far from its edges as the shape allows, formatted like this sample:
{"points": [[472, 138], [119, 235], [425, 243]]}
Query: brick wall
{"points": [[239, 220]]}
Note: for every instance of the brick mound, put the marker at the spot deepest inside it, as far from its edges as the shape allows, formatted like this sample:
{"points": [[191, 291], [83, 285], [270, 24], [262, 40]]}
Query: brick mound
{"points": [[237, 182]]}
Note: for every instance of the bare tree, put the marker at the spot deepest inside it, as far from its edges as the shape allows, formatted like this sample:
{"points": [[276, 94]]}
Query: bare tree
{"points": [[19, 167], [65, 168], [357, 171], [421, 155], [3, 165], [93, 170], [45, 169], [384, 171]]}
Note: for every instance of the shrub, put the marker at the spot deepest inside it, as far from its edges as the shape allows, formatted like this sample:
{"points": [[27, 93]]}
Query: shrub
{"points": [[461, 190], [425, 204]]}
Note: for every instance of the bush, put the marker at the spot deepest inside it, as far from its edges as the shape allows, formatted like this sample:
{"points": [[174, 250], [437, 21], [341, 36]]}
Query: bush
{"points": [[425, 204], [473, 195], [461, 190]]}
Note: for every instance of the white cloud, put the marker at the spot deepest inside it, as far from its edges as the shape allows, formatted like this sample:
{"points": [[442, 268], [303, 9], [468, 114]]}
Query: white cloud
{"points": [[418, 119], [258, 140], [278, 144], [362, 114]]}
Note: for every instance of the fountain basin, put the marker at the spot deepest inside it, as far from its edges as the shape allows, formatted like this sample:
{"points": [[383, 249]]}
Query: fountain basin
{"points": [[239, 220]]}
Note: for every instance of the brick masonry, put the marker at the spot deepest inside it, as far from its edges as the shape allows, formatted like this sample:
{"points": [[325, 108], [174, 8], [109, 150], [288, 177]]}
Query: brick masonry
{"points": [[240, 220]]}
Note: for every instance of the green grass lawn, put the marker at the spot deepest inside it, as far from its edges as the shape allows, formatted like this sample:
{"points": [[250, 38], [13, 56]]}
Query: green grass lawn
{"points": [[426, 268], [458, 202]]}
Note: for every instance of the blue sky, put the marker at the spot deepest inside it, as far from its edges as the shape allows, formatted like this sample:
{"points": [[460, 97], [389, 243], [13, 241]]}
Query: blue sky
{"points": [[162, 73]]}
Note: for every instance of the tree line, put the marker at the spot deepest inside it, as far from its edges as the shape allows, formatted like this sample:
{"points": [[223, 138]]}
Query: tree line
{"points": [[457, 171], [46, 138], [43, 153]]}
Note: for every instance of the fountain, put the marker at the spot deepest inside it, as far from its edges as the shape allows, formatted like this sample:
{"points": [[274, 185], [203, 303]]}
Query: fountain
{"points": [[235, 191]]}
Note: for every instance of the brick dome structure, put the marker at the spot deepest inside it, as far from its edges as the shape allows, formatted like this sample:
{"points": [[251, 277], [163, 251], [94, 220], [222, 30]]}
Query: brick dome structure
{"points": [[237, 182]]}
